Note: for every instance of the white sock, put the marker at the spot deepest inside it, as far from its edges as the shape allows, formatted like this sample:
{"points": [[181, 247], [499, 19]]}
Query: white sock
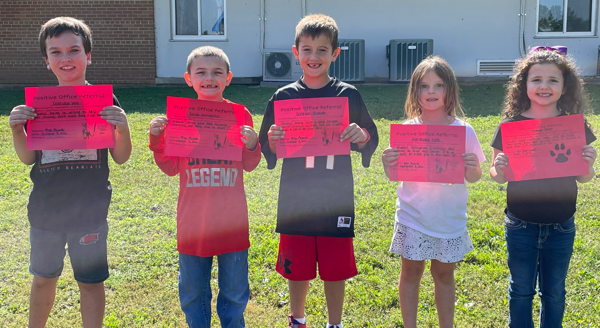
{"points": [[335, 326], [301, 320]]}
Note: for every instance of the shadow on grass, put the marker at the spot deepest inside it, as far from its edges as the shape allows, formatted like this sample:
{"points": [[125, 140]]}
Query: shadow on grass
{"points": [[383, 101]]}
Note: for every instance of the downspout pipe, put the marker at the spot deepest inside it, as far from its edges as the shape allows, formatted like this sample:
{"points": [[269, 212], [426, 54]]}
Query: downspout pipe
{"points": [[522, 14], [262, 17], [303, 12]]}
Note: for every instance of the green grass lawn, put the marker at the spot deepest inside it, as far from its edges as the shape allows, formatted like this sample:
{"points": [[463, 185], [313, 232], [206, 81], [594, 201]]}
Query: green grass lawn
{"points": [[142, 288]]}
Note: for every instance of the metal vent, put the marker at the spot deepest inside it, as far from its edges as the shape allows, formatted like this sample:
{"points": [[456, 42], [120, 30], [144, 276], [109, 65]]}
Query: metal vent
{"points": [[280, 65], [495, 67], [405, 55], [350, 64]]}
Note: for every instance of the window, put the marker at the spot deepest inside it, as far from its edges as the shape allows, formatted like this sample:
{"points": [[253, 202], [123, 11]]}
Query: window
{"points": [[198, 19], [566, 18]]}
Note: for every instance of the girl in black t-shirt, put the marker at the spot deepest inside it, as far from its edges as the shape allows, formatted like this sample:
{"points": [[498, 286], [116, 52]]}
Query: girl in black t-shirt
{"points": [[539, 222]]}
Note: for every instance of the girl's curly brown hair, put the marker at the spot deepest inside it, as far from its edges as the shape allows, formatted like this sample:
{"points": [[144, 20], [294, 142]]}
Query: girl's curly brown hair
{"points": [[574, 98], [439, 66]]}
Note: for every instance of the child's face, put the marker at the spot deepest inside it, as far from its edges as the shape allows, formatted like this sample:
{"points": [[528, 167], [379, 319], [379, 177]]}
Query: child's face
{"points": [[67, 58], [209, 77], [432, 92], [315, 56], [544, 85]]}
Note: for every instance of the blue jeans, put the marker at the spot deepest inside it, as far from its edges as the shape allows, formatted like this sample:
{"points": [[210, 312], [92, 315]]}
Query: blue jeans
{"points": [[537, 253], [195, 293]]}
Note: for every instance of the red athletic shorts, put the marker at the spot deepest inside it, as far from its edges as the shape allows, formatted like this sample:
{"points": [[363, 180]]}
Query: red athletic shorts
{"points": [[298, 257]]}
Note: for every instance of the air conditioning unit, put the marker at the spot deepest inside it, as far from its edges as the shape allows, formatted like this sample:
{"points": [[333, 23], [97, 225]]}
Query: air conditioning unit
{"points": [[280, 65], [405, 55], [497, 67], [350, 64]]}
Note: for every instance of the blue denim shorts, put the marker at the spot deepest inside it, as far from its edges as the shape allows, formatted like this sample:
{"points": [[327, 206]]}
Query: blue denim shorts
{"points": [[87, 252]]}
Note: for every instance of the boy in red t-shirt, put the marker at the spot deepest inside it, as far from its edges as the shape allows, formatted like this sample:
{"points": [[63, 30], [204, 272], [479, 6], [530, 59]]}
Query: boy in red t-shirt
{"points": [[212, 215]]}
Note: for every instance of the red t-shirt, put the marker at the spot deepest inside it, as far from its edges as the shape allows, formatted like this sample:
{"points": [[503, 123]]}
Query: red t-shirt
{"points": [[212, 215]]}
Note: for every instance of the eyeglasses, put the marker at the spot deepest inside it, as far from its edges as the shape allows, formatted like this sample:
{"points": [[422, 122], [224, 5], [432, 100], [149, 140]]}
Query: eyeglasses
{"points": [[560, 49]]}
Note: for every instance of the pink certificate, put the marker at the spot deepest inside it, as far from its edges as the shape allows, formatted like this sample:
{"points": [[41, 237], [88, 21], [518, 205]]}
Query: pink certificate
{"points": [[544, 148], [312, 127], [204, 129], [68, 117], [428, 153]]}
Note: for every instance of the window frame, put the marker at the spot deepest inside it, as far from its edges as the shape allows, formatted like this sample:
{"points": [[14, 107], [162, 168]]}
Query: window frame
{"points": [[564, 33], [199, 37]]}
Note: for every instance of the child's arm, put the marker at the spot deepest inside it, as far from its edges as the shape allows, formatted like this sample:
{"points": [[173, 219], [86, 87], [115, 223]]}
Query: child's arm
{"points": [[589, 154], [356, 135], [115, 115], [249, 137], [17, 119], [473, 156], [498, 165], [250, 153], [472, 168], [389, 157], [268, 134], [168, 164], [275, 133], [364, 122]]}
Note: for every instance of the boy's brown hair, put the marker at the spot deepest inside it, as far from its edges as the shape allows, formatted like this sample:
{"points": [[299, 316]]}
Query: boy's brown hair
{"points": [[208, 51], [56, 26], [441, 68], [315, 25]]}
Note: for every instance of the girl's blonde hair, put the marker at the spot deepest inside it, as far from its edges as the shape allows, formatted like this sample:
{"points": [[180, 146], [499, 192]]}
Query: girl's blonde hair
{"points": [[437, 64], [574, 98]]}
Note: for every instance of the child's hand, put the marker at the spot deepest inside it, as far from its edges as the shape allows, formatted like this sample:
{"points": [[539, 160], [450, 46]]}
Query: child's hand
{"points": [[589, 154], [500, 162], [19, 116], [389, 157], [116, 116], [275, 133], [471, 161], [354, 133], [157, 125], [472, 169], [249, 137]]}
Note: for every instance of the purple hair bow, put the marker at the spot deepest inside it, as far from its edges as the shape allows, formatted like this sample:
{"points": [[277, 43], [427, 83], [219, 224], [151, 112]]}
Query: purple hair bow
{"points": [[560, 49]]}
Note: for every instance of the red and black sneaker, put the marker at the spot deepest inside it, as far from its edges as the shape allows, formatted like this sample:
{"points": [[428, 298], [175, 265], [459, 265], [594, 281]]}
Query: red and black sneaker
{"points": [[295, 324]]}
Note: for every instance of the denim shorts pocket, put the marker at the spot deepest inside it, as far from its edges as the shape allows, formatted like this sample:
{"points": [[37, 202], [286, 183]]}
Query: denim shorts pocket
{"points": [[513, 224], [567, 226]]}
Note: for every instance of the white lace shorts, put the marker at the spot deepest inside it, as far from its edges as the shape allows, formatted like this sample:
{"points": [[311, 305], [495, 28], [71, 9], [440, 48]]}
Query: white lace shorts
{"points": [[417, 246]]}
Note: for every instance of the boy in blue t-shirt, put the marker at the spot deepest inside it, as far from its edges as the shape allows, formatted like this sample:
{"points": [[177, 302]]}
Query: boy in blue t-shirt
{"points": [[315, 216], [71, 192]]}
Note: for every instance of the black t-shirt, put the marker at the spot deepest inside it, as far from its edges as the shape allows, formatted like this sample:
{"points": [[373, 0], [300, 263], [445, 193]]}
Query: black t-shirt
{"points": [[71, 191], [544, 200], [311, 201]]}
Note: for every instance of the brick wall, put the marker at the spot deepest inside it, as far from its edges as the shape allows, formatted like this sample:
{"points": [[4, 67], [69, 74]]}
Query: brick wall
{"points": [[123, 49]]}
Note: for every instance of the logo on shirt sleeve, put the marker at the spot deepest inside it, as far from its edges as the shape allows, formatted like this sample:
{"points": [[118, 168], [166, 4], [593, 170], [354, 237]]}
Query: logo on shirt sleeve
{"points": [[344, 221]]}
